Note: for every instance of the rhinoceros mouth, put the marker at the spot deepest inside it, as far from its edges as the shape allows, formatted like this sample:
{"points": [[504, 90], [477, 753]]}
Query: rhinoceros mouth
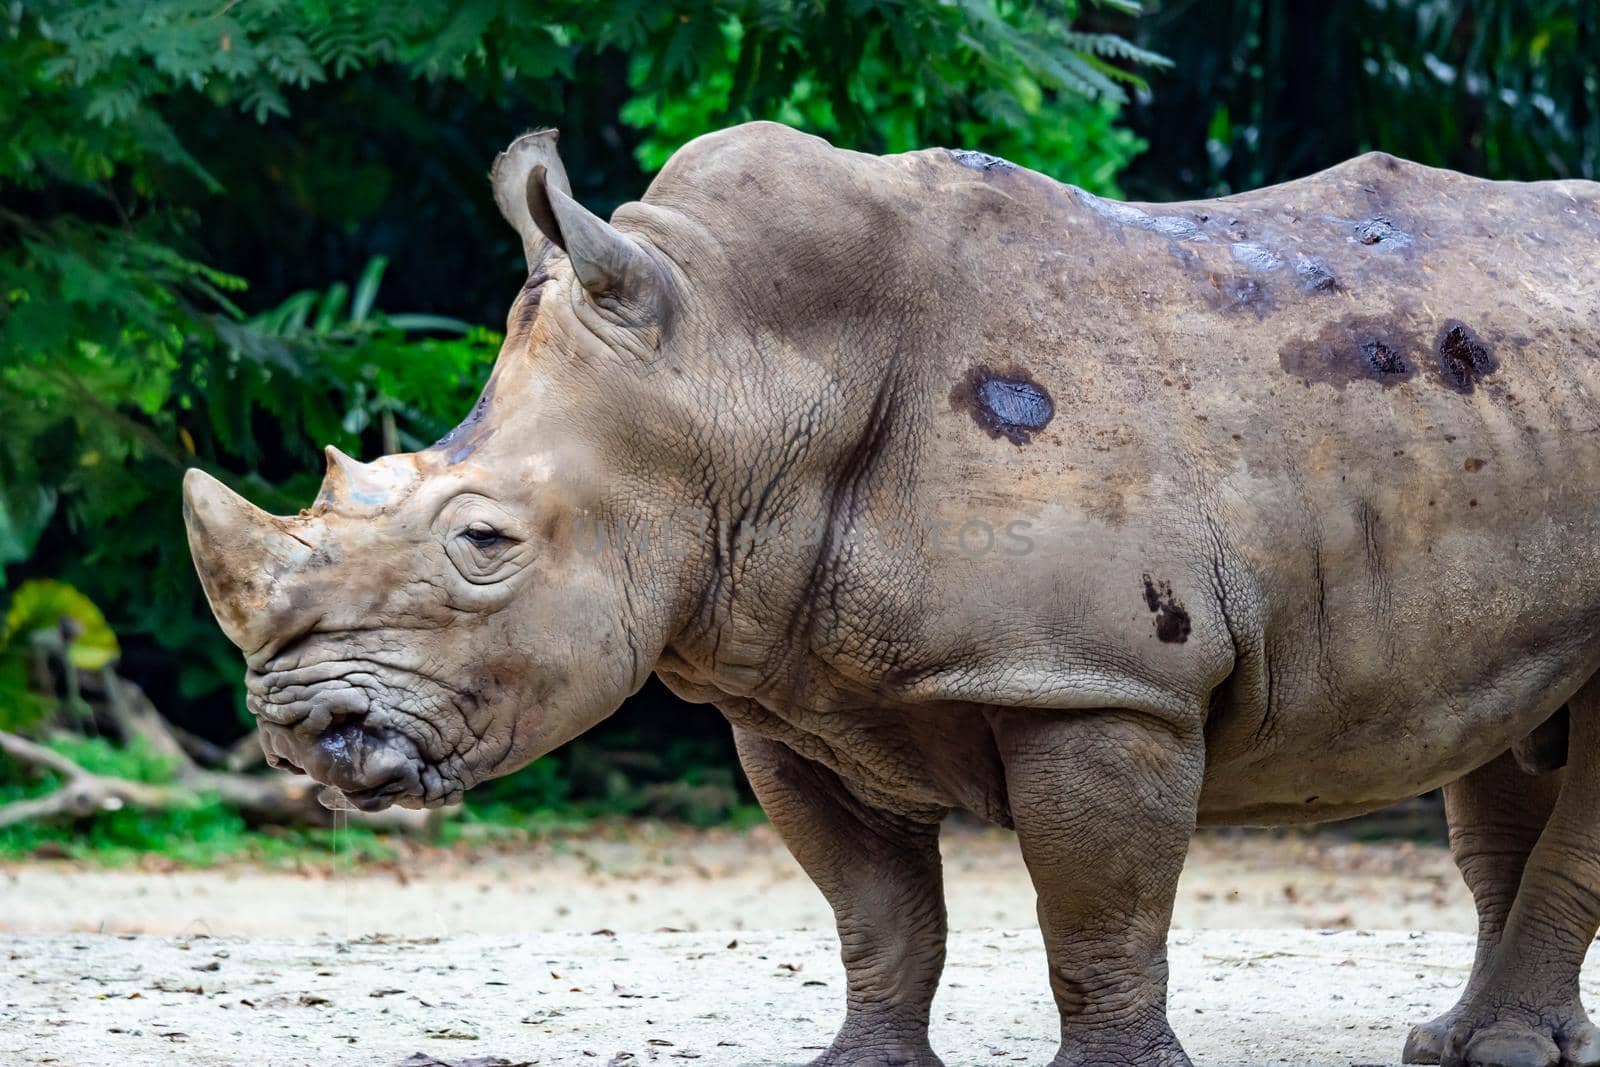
{"points": [[371, 800], [349, 726], [369, 767]]}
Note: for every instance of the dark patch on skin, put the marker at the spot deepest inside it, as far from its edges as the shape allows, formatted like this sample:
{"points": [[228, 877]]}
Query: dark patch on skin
{"points": [[1360, 350], [1008, 403], [1313, 275], [1171, 620], [527, 306], [1016, 403], [1183, 255], [1473, 465], [1464, 358], [1380, 230], [980, 161], [1383, 359], [1242, 294], [471, 431]]}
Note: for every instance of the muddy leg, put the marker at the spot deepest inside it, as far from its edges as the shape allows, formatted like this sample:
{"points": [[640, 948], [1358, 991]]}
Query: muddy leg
{"points": [[1526, 1011], [881, 875], [1496, 815], [1104, 804]]}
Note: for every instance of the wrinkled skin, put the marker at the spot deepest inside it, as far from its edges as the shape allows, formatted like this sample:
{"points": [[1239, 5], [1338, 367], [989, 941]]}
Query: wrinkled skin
{"points": [[1289, 508]]}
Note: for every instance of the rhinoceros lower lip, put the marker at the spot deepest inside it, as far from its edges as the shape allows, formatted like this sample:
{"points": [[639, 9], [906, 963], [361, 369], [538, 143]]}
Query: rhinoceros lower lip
{"points": [[367, 800], [373, 767]]}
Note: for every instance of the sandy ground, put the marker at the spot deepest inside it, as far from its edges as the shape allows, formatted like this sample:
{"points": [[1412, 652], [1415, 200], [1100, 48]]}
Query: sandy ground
{"points": [[670, 946], [654, 878]]}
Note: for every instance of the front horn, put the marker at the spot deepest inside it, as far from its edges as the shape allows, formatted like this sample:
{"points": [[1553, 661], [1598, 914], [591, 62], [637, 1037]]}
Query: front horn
{"points": [[243, 557]]}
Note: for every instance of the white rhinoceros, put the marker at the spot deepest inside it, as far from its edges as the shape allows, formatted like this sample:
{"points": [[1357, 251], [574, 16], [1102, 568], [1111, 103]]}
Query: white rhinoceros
{"points": [[956, 487]]}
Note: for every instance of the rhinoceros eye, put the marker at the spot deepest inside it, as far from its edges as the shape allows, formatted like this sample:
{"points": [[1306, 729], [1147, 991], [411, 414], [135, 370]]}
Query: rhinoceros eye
{"points": [[482, 534]]}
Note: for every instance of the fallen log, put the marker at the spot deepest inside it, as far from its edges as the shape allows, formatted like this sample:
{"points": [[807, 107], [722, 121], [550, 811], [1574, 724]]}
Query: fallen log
{"points": [[276, 799]]}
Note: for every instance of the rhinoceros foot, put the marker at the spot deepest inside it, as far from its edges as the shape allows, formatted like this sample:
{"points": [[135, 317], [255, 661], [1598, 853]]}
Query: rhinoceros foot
{"points": [[898, 1054], [1152, 1045], [1506, 1045], [1425, 1043], [1172, 1058], [1562, 1037]]}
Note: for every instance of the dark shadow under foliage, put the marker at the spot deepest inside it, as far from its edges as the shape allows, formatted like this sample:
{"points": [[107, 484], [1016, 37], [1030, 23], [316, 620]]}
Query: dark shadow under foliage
{"points": [[1263, 91]]}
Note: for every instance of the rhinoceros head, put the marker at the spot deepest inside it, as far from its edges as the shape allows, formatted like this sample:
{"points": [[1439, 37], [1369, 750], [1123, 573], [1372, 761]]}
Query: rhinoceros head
{"points": [[439, 618]]}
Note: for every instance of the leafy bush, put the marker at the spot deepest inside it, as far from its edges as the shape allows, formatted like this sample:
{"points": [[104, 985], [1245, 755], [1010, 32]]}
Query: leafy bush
{"points": [[625, 771], [1271, 91], [183, 180], [55, 610], [1017, 82]]}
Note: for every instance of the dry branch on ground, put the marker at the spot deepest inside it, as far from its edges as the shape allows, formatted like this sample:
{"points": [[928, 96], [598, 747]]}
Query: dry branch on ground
{"points": [[276, 798]]}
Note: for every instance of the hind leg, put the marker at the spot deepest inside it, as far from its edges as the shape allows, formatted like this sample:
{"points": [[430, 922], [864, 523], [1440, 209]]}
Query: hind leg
{"points": [[1525, 1010], [1496, 815]]}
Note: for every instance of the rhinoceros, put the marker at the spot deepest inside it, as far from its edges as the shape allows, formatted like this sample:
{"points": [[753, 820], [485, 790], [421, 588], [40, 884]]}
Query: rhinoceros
{"points": [[956, 487]]}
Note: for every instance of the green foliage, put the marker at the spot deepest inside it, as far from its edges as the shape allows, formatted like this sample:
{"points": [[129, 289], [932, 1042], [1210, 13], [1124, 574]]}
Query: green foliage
{"points": [[1271, 91], [201, 836], [1016, 81], [246, 391], [135, 761], [625, 772], [55, 610], [55, 606]]}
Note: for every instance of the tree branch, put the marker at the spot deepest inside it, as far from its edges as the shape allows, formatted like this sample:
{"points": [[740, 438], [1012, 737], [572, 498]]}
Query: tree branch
{"points": [[24, 751], [82, 793], [276, 798]]}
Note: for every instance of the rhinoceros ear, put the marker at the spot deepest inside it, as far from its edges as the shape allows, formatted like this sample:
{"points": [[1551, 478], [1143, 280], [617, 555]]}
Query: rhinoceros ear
{"points": [[604, 259], [509, 176]]}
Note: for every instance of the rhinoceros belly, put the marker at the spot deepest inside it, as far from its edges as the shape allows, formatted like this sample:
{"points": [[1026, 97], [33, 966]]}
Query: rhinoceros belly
{"points": [[1416, 627]]}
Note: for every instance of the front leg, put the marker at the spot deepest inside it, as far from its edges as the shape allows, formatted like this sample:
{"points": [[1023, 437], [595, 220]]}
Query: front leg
{"points": [[1104, 804], [881, 875]]}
